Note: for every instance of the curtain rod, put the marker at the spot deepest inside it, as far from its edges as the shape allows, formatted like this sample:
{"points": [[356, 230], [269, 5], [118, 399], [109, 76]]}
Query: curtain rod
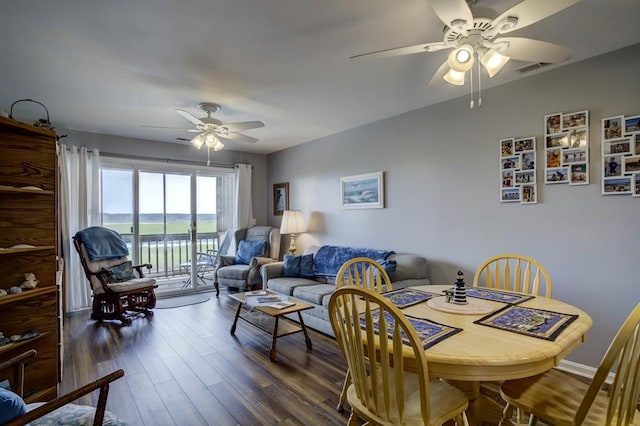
{"points": [[162, 160]]}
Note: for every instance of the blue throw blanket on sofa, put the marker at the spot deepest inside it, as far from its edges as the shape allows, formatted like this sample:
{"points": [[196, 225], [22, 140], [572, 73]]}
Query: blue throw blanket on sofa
{"points": [[329, 259], [102, 243]]}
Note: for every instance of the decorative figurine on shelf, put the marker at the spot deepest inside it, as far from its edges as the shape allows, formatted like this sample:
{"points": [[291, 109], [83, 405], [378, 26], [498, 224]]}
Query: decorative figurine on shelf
{"points": [[30, 281], [3, 292], [460, 291]]}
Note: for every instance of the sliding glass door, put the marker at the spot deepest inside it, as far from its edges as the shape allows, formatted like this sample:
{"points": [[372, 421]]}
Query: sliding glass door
{"points": [[172, 219]]}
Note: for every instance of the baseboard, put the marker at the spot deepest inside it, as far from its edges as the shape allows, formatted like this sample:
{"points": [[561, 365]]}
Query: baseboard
{"points": [[582, 370]]}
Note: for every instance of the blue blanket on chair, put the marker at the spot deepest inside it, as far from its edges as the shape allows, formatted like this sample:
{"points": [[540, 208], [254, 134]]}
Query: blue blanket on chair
{"points": [[328, 260], [102, 243]]}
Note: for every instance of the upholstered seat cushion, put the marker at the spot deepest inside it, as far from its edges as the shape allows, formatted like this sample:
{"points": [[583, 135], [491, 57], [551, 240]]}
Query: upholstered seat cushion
{"points": [[134, 284], [73, 415], [234, 272], [286, 285], [313, 293]]}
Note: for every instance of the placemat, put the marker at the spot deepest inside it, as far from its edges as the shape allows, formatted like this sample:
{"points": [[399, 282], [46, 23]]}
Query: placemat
{"points": [[407, 297], [497, 295], [429, 332], [528, 321]]}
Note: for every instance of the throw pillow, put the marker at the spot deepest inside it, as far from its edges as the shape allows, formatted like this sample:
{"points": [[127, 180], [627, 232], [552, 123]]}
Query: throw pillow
{"points": [[291, 266], [306, 265], [11, 406], [248, 249], [389, 266], [121, 273]]}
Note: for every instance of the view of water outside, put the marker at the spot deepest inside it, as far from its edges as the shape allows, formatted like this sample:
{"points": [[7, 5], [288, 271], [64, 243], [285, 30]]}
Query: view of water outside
{"points": [[164, 221]]}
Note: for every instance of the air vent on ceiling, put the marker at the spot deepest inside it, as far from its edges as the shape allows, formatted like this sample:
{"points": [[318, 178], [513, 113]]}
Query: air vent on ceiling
{"points": [[533, 67]]}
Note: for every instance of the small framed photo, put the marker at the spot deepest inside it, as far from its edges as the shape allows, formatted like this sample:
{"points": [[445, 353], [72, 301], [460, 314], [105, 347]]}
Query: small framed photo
{"points": [[617, 186], [525, 177], [579, 174], [557, 141], [612, 166], [612, 127], [528, 194], [637, 143], [553, 123], [618, 146], [508, 179], [365, 191], [280, 198], [631, 164], [524, 145], [553, 157], [573, 156], [529, 161], [636, 185], [557, 175], [575, 119], [632, 125], [578, 138], [506, 147], [510, 162], [510, 195]]}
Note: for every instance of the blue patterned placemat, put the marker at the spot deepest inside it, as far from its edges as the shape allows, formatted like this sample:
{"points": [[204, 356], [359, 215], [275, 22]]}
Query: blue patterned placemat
{"points": [[429, 332], [528, 321], [497, 295], [407, 297]]}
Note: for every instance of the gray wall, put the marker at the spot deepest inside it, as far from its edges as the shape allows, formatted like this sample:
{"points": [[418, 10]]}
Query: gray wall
{"points": [[182, 152], [442, 181]]}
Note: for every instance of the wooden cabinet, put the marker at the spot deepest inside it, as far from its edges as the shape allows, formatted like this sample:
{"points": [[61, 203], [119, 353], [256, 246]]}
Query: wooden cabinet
{"points": [[28, 243]]}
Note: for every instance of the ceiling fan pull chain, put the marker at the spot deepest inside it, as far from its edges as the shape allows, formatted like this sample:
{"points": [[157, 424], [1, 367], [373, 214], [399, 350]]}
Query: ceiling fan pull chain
{"points": [[479, 86], [471, 80], [208, 156]]}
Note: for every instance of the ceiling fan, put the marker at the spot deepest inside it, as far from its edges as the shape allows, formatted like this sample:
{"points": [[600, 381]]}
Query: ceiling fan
{"points": [[480, 39], [212, 131]]}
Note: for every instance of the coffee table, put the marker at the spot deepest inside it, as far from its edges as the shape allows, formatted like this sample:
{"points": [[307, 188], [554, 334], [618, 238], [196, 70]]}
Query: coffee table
{"points": [[280, 328]]}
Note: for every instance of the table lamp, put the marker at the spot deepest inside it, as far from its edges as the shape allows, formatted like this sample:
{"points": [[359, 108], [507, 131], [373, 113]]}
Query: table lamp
{"points": [[292, 223]]}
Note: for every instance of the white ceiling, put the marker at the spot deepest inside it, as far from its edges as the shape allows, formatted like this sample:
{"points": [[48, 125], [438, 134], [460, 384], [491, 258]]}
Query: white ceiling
{"points": [[113, 66]]}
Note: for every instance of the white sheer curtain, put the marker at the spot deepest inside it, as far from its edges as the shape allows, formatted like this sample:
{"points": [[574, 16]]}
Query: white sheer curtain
{"points": [[244, 210], [79, 208]]}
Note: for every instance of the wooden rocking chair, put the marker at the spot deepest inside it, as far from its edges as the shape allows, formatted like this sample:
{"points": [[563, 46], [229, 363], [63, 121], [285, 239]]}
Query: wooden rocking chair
{"points": [[118, 293], [60, 410]]}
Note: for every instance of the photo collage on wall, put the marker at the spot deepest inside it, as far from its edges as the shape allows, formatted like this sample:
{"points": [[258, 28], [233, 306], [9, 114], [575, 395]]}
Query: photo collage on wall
{"points": [[621, 155], [518, 170], [566, 148]]}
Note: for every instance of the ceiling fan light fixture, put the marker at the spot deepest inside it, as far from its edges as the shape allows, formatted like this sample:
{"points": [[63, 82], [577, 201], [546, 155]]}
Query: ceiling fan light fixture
{"points": [[198, 141], [493, 61], [210, 139], [218, 145], [454, 77], [461, 59]]}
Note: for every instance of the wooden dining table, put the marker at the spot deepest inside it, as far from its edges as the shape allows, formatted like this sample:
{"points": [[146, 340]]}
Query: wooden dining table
{"points": [[482, 353]]}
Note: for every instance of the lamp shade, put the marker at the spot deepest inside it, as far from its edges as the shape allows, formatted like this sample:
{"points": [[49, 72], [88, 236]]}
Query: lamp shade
{"points": [[292, 222], [454, 77], [461, 59], [493, 61]]}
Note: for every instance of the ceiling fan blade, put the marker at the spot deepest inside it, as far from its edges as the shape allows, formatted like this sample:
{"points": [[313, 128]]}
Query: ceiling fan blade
{"points": [[237, 137], [189, 116], [531, 11], [406, 50], [163, 127], [438, 76], [452, 10], [527, 49], [245, 125]]}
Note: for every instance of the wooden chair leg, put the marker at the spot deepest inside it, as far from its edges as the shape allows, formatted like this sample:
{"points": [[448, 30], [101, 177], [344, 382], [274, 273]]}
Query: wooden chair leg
{"points": [[352, 419], [343, 394], [507, 413]]}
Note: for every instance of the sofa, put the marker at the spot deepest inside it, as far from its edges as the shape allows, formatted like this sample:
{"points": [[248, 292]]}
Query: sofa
{"points": [[316, 287]]}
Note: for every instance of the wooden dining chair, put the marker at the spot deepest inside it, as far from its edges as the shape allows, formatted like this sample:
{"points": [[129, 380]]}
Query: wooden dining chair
{"points": [[366, 273], [514, 272], [561, 399], [383, 392]]}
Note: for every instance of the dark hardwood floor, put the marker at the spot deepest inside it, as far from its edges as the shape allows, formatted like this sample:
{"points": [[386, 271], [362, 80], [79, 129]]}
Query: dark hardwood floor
{"points": [[182, 367]]}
